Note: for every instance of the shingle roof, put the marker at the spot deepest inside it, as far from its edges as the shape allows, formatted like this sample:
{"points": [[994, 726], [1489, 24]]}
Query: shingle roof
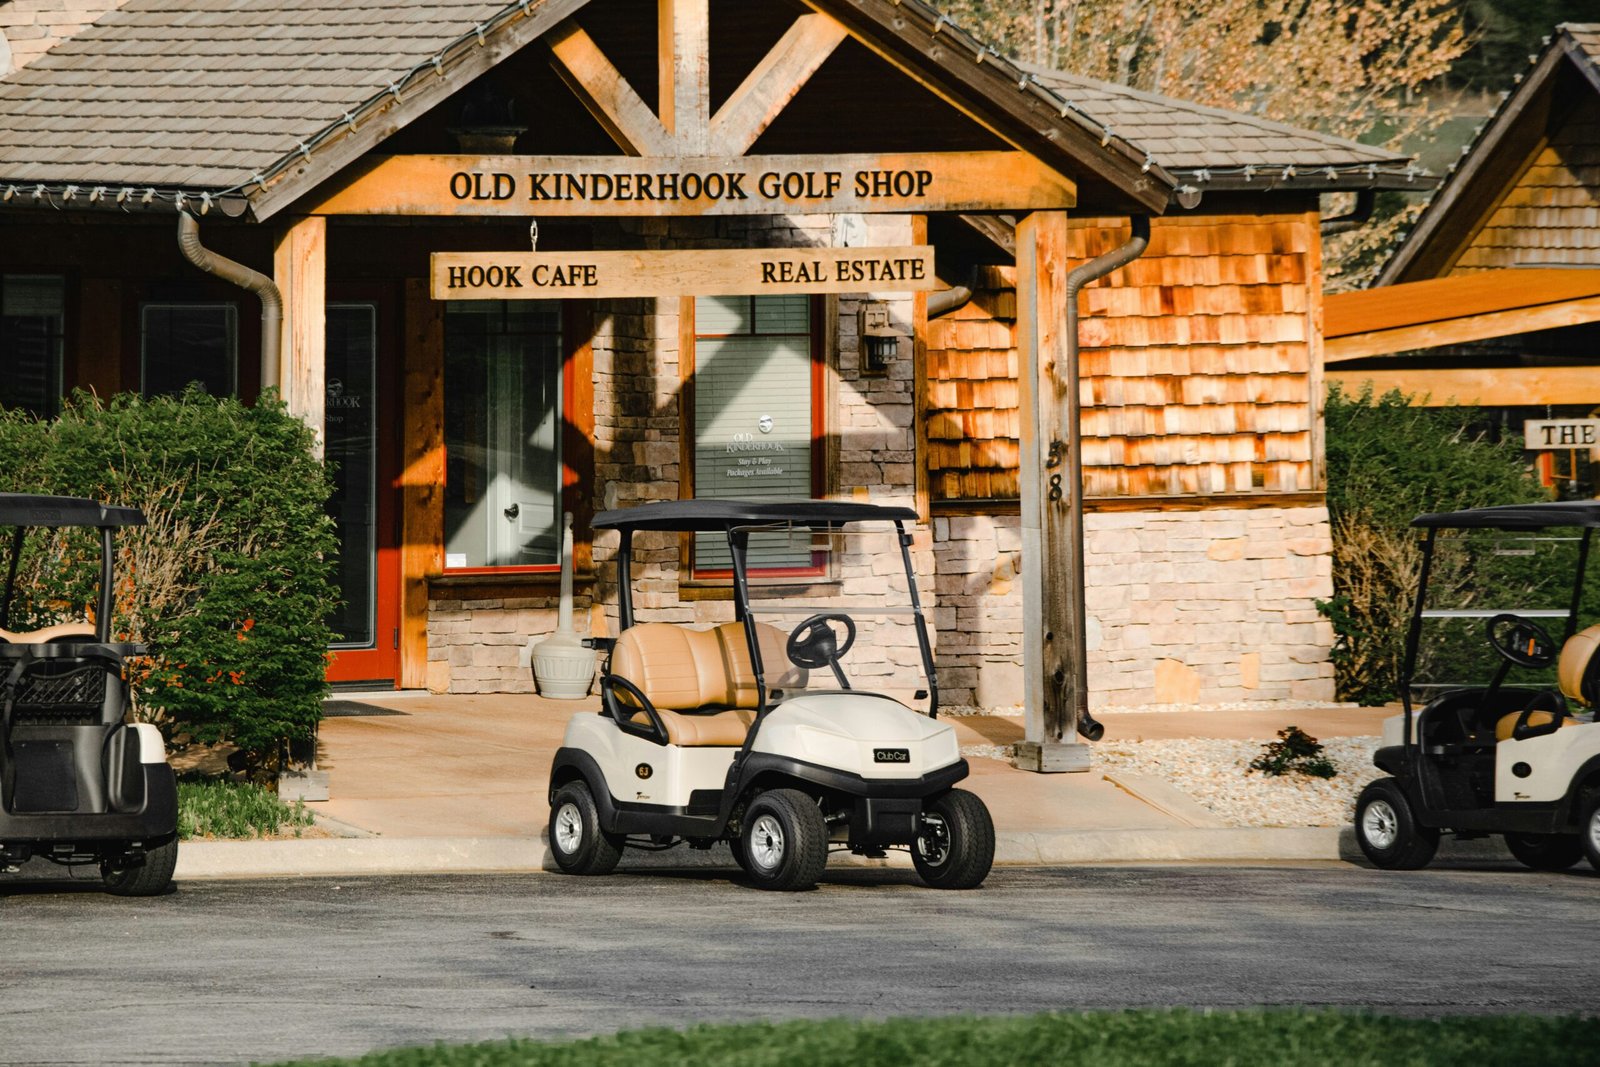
{"points": [[206, 93], [1190, 137], [1527, 189]]}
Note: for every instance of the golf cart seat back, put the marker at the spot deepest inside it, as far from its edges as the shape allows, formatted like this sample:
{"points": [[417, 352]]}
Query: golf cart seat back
{"points": [[682, 672], [47, 634], [1578, 674]]}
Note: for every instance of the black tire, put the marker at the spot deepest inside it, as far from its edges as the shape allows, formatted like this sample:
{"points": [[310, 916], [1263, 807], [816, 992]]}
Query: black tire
{"points": [[150, 878], [577, 841], [1545, 852], [954, 848], [1589, 828], [784, 840], [1387, 829], [736, 847]]}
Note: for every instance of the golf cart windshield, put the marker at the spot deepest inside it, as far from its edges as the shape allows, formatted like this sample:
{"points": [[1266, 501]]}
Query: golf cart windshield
{"points": [[849, 622]]}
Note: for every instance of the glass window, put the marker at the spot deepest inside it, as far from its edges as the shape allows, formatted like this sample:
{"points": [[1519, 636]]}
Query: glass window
{"points": [[502, 409], [183, 343], [352, 451], [32, 325], [753, 416]]}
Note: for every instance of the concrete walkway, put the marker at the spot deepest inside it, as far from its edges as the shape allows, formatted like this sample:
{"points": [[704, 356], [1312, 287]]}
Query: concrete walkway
{"points": [[423, 783]]}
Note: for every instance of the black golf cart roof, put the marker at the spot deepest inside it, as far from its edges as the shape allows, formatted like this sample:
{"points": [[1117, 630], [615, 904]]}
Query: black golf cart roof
{"points": [[27, 509], [1517, 516], [693, 515]]}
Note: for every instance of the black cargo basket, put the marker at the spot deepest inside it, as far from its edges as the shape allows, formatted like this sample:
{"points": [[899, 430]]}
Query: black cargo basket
{"points": [[61, 697]]}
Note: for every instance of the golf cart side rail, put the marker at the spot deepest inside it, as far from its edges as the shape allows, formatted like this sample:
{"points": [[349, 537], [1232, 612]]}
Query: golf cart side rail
{"points": [[717, 516]]}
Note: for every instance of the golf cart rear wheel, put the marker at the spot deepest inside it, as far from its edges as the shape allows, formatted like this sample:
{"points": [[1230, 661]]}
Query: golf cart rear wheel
{"points": [[1387, 830], [577, 841], [1589, 828], [150, 878], [784, 841], [954, 848], [1545, 852]]}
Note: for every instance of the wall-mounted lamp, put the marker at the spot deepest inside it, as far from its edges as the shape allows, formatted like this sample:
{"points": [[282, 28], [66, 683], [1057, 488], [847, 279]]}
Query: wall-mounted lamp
{"points": [[880, 341]]}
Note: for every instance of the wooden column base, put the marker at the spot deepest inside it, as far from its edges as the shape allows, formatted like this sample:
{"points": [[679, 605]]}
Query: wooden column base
{"points": [[1050, 757]]}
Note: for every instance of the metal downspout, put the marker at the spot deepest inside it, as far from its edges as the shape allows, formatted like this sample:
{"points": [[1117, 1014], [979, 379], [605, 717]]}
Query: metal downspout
{"points": [[245, 278], [1366, 199], [1080, 276]]}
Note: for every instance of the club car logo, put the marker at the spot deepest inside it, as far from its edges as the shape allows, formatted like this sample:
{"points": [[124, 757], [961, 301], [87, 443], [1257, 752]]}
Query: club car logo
{"points": [[891, 755], [644, 770]]}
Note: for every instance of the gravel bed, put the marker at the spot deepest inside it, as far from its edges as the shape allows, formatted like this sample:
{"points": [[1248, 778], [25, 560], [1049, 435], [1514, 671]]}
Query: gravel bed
{"points": [[1214, 772]]}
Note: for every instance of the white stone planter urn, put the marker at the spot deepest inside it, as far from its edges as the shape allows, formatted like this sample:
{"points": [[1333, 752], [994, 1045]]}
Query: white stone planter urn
{"points": [[562, 667]]}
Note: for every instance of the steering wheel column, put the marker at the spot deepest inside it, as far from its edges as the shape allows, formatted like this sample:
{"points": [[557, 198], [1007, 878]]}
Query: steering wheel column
{"points": [[814, 644]]}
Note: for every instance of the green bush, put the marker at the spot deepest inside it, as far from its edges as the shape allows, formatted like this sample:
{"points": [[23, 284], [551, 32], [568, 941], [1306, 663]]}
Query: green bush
{"points": [[219, 808], [1389, 462], [1294, 751], [231, 582]]}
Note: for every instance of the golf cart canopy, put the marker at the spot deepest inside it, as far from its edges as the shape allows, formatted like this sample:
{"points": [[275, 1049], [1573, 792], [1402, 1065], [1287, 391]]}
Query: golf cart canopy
{"points": [[714, 515], [26, 509], [1516, 516]]}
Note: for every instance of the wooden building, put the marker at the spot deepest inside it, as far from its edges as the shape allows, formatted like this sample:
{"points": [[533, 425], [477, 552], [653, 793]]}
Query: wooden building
{"points": [[1494, 297], [387, 169]]}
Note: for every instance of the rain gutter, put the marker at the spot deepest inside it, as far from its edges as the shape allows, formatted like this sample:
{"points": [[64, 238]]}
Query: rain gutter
{"points": [[245, 278]]}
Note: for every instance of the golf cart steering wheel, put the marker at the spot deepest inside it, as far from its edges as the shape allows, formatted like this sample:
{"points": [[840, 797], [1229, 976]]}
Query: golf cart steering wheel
{"points": [[814, 645], [1521, 641]]}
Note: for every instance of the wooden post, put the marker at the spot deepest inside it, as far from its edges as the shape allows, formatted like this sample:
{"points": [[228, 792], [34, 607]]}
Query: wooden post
{"points": [[299, 266], [421, 485], [1051, 505]]}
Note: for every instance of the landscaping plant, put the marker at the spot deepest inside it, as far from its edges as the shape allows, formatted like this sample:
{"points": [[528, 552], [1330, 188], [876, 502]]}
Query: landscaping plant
{"points": [[1294, 751], [230, 584], [216, 807]]}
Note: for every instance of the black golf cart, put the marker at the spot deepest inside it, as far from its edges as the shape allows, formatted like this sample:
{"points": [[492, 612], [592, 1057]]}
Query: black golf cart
{"points": [[1484, 756], [806, 724], [78, 785]]}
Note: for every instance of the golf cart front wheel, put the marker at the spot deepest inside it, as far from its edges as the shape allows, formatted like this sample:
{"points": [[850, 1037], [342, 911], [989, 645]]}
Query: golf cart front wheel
{"points": [[1545, 852], [954, 848], [1387, 830], [784, 843], [577, 841], [150, 878]]}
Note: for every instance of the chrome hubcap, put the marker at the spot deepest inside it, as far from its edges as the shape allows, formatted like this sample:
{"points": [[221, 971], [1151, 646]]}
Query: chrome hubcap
{"points": [[569, 828], [1380, 825], [766, 842], [1594, 832], [933, 843]]}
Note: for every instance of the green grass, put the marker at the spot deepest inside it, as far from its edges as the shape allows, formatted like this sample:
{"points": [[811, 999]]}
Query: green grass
{"points": [[216, 807], [1103, 1039]]}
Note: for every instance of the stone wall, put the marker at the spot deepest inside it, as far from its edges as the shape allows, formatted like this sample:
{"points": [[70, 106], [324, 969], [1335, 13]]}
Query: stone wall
{"points": [[33, 27], [481, 646], [1184, 607]]}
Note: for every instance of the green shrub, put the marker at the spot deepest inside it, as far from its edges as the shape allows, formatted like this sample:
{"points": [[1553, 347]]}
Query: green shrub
{"points": [[1389, 462], [216, 807], [1294, 751], [230, 584]]}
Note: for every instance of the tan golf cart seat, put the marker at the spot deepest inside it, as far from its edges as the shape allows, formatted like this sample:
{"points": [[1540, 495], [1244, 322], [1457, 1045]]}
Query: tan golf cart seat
{"points": [[701, 681], [47, 634], [1578, 674]]}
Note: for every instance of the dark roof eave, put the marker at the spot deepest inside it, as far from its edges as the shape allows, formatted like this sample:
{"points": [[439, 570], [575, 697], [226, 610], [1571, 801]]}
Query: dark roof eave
{"points": [[1313, 183]]}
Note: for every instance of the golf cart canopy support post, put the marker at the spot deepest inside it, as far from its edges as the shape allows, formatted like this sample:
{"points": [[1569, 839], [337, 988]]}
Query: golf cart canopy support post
{"points": [[1055, 668]]}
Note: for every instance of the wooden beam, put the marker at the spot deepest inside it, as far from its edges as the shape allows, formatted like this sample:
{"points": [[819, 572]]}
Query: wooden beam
{"points": [[584, 186], [299, 266], [1487, 386], [421, 484], [1000, 232], [775, 81], [1461, 330], [607, 94], [331, 157], [685, 73], [1048, 390]]}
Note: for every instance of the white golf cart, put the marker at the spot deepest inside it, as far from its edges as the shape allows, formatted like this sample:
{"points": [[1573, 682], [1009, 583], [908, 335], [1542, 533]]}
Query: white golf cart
{"points": [[784, 740], [77, 784], [1483, 757]]}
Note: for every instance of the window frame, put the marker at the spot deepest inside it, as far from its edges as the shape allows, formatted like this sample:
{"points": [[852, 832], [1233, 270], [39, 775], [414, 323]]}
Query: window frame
{"points": [[54, 402], [232, 309]]}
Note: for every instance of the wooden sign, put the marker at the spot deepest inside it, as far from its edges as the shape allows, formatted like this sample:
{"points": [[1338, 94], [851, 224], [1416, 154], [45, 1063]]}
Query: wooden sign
{"points": [[1561, 433], [716, 272], [544, 186]]}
